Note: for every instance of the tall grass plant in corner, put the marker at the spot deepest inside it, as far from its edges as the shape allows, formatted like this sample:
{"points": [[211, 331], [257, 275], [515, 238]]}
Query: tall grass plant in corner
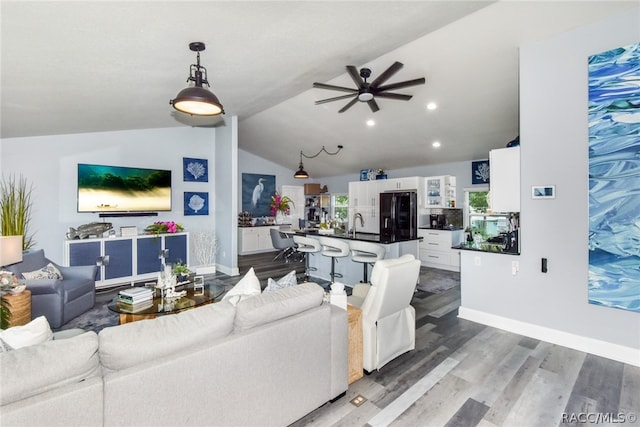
{"points": [[15, 209]]}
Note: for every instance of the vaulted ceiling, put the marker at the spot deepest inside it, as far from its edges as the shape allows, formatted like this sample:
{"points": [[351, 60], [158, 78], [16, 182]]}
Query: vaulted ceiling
{"points": [[93, 66]]}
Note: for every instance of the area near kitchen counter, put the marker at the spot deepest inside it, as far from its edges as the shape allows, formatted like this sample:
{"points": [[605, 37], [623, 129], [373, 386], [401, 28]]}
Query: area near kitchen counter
{"points": [[352, 271], [436, 248]]}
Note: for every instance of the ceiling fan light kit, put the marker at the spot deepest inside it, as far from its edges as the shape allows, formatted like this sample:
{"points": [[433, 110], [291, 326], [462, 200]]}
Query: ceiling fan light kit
{"points": [[367, 92], [301, 173], [197, 100]]}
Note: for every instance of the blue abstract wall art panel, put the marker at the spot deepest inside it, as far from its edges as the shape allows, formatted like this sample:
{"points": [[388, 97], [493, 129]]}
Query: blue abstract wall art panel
{"points": [[614, 178]]}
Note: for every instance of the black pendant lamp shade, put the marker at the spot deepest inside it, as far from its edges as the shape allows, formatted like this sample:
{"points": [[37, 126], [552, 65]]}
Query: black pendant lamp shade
{"points": [[197, 100], [301, 173]]}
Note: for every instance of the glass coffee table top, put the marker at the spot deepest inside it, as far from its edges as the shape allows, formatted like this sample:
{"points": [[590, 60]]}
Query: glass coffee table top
{"points": [[212, 292]]}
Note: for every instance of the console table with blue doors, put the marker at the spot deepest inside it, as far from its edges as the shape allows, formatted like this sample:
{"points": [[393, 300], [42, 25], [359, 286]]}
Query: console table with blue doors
{"points": [[128, 259]]}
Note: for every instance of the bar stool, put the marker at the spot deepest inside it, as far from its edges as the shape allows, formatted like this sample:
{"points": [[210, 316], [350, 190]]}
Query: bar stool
{"points": [[334, 248], [366, 253], [308, 246]]}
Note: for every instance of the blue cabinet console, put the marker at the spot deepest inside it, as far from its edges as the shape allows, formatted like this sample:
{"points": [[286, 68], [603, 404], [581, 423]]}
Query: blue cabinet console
{"points": [[126, 260]]}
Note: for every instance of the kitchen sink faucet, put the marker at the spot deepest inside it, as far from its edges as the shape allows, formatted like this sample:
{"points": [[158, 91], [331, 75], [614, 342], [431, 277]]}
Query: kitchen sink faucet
{"points": [[356, 216]]}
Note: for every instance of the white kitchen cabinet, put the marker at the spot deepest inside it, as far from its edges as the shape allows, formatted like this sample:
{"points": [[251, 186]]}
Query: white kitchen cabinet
{"points": [[504, 181], [399, 184], [252, 240], [364, 199], [440, 191], [125, 260], [435, 248]]}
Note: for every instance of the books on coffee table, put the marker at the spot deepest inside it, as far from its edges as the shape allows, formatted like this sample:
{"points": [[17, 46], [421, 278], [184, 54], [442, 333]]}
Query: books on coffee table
{"points": [[135, 295]]}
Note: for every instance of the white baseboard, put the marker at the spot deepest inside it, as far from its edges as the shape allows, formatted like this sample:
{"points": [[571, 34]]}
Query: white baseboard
{"points": [[616, 352], [208, 269], [228, 271]]}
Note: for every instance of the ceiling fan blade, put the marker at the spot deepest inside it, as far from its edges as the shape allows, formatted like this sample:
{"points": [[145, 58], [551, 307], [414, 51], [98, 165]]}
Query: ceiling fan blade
{"points": [[332, 87], [373, 105], [401, 85], [394, 68], [398, 96], [355, 75], [346, 107], [337, 98]]}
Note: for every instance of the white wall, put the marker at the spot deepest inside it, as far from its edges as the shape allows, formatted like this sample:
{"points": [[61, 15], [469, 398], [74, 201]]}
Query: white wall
{"points": [[554, 151], [226, 195], [50, 164]]}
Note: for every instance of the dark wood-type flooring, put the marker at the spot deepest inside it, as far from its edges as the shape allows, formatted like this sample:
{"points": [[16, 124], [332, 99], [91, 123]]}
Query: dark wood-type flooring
{"points": [[466, 374]]}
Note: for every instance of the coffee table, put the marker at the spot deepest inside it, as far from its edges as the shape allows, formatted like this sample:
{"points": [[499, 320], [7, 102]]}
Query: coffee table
{"points": [[161, 306]]}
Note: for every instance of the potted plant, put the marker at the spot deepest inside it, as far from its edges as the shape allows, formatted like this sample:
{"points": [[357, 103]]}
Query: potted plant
{"points": [[15, 209], [381, 174], [181, 271], [280, 206], [163, 227]]}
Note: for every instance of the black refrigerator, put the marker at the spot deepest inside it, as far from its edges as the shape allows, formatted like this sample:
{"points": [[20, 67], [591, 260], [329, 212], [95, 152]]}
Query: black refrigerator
{"points": [[398, 215]]}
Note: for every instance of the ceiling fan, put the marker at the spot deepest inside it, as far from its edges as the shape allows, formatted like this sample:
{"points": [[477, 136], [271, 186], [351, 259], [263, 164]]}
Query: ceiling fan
{"points": [[367, 92]]}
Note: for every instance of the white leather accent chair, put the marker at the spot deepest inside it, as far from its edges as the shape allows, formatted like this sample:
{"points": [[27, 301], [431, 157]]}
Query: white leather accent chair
{"points": [[388, 319]]}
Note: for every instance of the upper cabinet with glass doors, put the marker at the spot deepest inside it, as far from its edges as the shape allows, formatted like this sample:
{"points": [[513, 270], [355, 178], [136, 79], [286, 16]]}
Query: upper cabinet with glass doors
{"points": [[440, 192]]}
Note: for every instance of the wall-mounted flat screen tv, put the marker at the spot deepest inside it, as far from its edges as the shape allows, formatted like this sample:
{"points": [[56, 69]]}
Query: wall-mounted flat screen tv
{"points": [[123, 189]]}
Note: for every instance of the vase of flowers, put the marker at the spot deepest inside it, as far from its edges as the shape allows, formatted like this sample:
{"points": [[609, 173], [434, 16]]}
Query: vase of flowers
{"points": [[163, 227], [280, 206]]}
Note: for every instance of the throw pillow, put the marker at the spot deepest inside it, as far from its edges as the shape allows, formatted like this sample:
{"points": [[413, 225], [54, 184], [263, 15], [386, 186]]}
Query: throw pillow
{"points": [[35, 332], [248, 286], [49, 271], [4, 347], [284, 282]]}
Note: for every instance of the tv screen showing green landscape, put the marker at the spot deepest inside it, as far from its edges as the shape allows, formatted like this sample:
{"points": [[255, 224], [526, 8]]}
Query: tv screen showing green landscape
{"points": [[104, 188]]}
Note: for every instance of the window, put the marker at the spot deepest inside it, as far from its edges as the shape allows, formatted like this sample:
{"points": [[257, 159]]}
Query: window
{"points": [[480, 219], [340, 207]]}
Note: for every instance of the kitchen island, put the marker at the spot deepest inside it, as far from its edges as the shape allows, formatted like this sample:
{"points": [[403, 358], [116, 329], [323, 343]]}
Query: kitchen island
{"points": [[352, 271]]}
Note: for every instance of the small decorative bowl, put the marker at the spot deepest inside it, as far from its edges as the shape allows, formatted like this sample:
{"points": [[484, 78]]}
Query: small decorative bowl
{"points": [[18, 289]]}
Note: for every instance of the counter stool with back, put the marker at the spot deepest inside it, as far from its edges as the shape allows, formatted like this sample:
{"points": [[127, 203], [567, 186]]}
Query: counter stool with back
{"points": [[366, 253], [308, 246], [334, 248]]}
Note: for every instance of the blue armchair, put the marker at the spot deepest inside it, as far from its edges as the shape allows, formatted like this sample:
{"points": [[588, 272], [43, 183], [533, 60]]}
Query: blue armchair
{"points": [[59, 300]]}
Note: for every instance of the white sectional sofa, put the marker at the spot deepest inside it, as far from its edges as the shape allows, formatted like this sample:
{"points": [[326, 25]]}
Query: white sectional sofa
{"points": [[269, 360]]}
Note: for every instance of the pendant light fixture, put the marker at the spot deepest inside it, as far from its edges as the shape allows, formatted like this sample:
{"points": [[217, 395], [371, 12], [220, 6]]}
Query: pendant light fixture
{"points": [[301, 173], [197, 100]]}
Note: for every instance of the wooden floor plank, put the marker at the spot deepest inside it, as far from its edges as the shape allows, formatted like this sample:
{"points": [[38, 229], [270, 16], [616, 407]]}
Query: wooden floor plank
{"points": [[469, 414], [630, 390], [502, 406], [541, 402]]}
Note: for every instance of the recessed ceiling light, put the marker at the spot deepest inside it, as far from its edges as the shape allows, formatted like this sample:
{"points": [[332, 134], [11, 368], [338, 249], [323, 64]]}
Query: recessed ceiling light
{"points": [[436, 144], [432, 106], [370, 122]]}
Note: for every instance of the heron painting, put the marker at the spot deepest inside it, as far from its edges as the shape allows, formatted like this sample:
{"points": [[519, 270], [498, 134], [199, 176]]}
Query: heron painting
{"points": [[257, 190]]}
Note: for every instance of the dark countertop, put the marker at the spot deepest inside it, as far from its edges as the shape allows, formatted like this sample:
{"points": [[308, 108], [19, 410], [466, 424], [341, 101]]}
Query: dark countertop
{"points": [[365, 237], [261, 225], [487, 247], [441, 229]]}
